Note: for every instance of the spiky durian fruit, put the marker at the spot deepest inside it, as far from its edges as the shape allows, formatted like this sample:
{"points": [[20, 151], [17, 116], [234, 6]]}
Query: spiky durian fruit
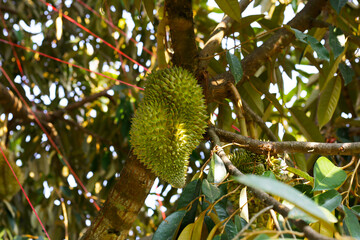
{"points": [[169, 123], [8, 185]]}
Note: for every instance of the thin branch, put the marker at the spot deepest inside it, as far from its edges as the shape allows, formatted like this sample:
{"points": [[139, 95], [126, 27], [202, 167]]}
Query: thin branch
{"points": [[290, 146], [81, 103], [251, 221], [266, 198]]}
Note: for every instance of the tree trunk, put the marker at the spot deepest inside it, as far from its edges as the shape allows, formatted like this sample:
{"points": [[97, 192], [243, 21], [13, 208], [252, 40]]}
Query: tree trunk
{"points": [[124, 202]]}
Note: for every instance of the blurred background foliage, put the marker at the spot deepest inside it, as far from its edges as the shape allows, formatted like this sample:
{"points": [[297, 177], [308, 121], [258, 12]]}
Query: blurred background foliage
{"points": [[292, 93]]}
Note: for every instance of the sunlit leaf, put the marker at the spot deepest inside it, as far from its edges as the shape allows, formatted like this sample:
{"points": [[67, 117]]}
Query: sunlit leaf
{"points": [[300, 173], [217, 171], [187, 232], [306, 125], [288, 193], [329, 98], [231, 8], [198, 227], [327, 175], [149, 7]]}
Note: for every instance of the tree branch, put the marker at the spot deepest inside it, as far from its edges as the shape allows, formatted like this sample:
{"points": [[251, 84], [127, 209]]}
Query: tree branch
{"points": [[214, 42], [266, 198], [290, 146], [273, 46], [181, 25]]}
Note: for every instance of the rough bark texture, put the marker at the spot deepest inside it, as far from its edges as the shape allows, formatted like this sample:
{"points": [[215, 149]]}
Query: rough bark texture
{"points": [[290, 146], [123, 203], [181, 25]]}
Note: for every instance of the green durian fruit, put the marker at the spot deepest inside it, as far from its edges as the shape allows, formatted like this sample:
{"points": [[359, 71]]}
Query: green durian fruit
{"points": [[248, 162], [8, 184], [169, 123]]}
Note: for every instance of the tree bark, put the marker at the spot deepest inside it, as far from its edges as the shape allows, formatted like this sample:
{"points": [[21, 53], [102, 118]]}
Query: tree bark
{"points": [[123, 203], [181, 25]]}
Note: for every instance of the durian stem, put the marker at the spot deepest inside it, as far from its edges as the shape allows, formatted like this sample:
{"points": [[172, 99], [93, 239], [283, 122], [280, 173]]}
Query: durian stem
{"points": [[160, 37]]}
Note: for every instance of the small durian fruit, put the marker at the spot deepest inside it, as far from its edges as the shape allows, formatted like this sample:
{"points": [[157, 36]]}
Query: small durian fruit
{"points": [[248, 162], [8, 184], [169, 123]]}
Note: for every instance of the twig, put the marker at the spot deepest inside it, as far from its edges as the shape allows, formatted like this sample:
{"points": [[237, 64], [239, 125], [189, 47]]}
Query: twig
{"points": [[353, 174], [274, 148], [251, 221]]}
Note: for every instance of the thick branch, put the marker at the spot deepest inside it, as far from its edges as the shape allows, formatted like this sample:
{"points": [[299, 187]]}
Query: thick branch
{"points": [[180, 16], [214, 42], [291, 146], [12, 104], [273, 46], [266, 198]]}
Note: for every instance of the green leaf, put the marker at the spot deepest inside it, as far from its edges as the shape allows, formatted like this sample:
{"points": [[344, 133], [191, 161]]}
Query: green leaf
{"points": [[288, 193], [197, 227], [314, 43], [252, 97], [346, 72], [352, 223], [231, 8], [306, 125], [334, 42], [149, 7], [259, 85], [217, 171], [190, 192], [356, 210], [300, 173], [327, 175], [329, 98], [321, 51], [170, 226], [338, 4], [329, 199], [211, 192], [187, 232], [235, 66]]}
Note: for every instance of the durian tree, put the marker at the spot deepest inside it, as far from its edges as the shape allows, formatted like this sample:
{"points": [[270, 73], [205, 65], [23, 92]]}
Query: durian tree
{"points": [[231, 119]]}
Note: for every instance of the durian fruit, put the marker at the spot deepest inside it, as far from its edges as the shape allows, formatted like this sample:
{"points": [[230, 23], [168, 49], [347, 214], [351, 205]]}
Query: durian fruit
{"points": [[249, 163], [169, 123], [8, 184]]}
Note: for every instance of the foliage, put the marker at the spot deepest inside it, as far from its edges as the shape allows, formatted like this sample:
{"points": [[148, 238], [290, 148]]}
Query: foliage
{"points": [[305, 88]]}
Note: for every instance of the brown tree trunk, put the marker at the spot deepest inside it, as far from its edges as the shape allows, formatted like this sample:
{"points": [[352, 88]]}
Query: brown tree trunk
{"points": [[123, 203]]}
